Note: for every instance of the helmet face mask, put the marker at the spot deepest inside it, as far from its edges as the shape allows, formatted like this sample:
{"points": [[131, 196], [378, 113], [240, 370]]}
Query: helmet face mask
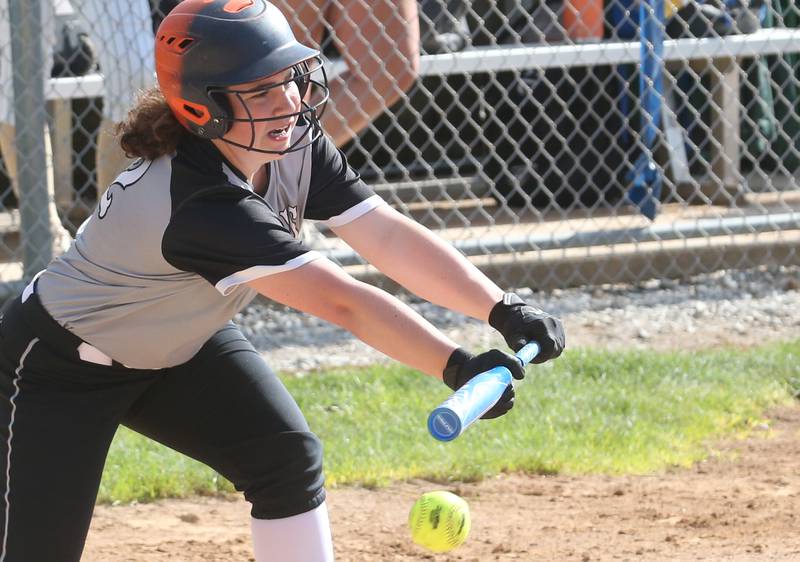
{"points": [[206, 50], [311, 111]]}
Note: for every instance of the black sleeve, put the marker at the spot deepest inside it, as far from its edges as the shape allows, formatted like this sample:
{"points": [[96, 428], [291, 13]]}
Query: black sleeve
{"points": [[221, 235], [335, 187]]}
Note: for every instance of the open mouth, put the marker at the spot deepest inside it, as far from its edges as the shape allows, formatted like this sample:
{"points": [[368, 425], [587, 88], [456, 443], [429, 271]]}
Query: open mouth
{"points": [[280, 134]]}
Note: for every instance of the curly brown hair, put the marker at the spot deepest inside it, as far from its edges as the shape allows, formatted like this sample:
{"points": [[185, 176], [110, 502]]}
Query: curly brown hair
{"points": [[150, 129]]}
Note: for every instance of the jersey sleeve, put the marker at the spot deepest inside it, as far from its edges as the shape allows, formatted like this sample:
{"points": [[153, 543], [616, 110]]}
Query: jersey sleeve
{"points": [[230, 239], [336, 194]]}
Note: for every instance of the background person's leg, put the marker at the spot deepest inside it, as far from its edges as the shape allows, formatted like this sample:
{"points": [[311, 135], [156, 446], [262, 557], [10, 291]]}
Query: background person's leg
{"points": [[379, 41], [111, 159], [306, 19], [227, 409], [8, 148], [121, 31]]}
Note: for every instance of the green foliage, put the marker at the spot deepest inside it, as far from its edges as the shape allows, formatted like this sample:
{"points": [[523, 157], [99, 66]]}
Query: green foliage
{"points": [[138, 469], [590, 411]]}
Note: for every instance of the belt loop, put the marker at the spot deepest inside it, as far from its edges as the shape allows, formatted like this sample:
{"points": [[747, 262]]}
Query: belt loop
{"points": [[93, 355], [52, 333]]}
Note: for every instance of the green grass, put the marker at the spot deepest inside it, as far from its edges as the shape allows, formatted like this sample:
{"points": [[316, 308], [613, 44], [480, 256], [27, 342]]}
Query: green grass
{"points": [[589, 411]]}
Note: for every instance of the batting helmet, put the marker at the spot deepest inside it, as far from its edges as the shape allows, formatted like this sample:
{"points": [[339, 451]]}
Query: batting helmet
{"points": [[205, 47]]}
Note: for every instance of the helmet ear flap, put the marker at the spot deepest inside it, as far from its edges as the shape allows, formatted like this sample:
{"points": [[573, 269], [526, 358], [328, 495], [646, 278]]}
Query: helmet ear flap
{"points": [[221, 113]]}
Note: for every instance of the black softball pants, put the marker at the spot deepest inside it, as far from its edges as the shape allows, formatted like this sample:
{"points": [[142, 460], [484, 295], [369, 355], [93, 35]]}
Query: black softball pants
{"points": [[59, 413]]}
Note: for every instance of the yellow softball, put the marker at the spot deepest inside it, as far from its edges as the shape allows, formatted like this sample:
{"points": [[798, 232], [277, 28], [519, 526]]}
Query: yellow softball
{"points": [[439, 521]]}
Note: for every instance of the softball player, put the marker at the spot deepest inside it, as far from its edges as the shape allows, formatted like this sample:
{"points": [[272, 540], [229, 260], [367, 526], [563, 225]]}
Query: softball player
{"points": [[132, 324]]}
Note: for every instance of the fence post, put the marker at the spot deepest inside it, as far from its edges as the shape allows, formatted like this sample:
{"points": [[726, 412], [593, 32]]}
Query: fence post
{"points": [[25, 20]]}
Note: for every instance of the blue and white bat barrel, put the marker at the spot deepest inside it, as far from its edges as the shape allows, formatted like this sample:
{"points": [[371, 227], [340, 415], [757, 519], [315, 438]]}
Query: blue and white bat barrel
{"points": [[468, 404], [474, 399]]}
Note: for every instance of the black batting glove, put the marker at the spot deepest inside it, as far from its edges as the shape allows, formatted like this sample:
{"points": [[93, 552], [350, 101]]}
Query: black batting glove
{"points": [[463, 365], [520, 323]]}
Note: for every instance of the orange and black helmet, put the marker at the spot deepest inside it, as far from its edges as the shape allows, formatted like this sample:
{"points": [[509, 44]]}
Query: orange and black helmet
{"points": [[206, 47]]}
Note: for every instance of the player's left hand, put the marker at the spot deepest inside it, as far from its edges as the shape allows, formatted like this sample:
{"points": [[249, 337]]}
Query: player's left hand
{"points": [[520, 323], [463, 365]]}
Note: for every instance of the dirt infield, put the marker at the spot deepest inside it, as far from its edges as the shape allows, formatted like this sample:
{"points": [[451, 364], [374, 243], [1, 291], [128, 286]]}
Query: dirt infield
{"points": [[742, 504]]}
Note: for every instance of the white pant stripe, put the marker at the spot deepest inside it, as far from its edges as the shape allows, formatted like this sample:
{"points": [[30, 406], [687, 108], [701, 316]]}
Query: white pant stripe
{"points": [[18, 374]]}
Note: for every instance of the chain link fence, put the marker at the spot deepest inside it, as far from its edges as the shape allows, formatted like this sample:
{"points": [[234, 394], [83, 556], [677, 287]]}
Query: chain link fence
{"points": [[555, 142]]}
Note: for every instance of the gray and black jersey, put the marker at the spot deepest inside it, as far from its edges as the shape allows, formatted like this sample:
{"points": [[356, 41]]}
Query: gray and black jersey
{"points": [[162, 263]]}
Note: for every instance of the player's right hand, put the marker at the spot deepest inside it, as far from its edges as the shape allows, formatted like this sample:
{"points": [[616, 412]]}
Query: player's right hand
{"points": [[463, 365], [521, 323]]}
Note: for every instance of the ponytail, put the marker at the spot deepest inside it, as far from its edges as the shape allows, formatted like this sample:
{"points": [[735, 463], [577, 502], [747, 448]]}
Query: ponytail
{"points": [[150, 129]]}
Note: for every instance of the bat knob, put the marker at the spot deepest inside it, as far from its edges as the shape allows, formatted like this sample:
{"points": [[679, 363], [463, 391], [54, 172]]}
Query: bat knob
{"points": [[444, 424]]}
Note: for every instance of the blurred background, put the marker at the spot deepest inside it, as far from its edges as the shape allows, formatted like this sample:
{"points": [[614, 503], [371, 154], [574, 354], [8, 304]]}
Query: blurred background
{"points": [[558, 143]]}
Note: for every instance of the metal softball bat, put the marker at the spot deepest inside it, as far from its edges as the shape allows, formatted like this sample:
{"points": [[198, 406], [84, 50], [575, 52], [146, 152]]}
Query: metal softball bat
{"points": [[474, 399]]}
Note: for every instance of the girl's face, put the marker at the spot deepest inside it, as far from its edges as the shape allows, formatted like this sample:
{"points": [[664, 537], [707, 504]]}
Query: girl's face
{"points": [[276, 98]]}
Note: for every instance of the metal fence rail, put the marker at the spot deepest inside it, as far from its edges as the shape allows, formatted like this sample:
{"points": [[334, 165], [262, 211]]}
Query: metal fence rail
{"points": [[554, 142]]}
